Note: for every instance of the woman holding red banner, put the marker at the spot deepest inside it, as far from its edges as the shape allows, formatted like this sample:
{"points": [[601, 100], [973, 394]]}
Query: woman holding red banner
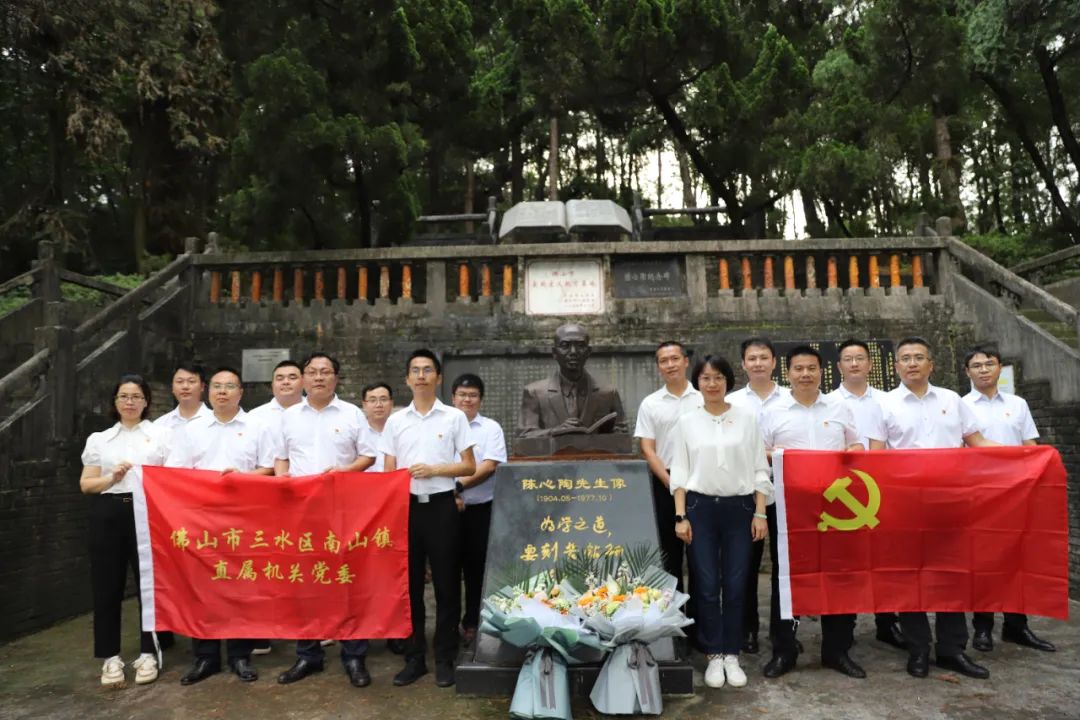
{"points": [[107, 461], [720, 480]]}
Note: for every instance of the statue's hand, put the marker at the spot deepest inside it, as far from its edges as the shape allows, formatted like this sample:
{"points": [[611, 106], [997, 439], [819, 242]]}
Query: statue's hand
{"points": [[570, 423]]}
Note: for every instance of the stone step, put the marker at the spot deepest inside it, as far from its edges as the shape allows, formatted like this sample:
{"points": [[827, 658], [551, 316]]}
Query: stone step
{"points": [[1061, 330]]}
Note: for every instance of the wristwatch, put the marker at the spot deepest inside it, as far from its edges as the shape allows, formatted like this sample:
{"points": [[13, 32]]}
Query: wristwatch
{"points": [[458, 487], [679, 518]]}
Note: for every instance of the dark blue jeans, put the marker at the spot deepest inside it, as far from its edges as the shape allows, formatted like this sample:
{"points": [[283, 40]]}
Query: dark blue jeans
{"points": [[719, 563]]}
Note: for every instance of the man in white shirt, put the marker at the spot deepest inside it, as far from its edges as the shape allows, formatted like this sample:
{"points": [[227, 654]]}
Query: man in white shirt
{"points": [[323, 433], [188, 385], [1006, 419], [227, 440], [920, 415], [809, 420], [475, 494], [433, 441], [377, 400], [760, 394], [865, 402], [655, 419], [287, 385]]}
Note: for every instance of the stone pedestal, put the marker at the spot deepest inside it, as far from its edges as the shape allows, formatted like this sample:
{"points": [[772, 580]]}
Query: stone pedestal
{"points": [[575, 444]]}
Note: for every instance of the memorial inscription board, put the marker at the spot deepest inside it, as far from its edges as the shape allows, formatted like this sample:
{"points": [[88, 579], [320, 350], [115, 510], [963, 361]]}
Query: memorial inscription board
{"points": [[564, 287], [647, 278], [882, 363], [257, 364]]}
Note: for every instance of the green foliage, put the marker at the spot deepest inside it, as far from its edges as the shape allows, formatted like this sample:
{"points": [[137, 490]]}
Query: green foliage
{"points": [[1009, 250]]}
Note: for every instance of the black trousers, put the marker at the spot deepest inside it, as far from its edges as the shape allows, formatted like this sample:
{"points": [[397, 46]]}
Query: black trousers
{"points": [[113, 549], [434, 538], [781, 632], [837, 635], [475, 525], [884, 621], [984, 622], [211, 649], [951, 629], [670, 545], [312, 650]]}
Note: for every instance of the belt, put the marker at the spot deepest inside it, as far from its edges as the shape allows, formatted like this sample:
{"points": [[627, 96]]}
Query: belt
{"points": [[424, 498], [122, 497]]}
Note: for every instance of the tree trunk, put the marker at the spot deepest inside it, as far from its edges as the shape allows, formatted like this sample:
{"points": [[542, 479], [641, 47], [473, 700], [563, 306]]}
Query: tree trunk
{"points": [[948, 176], [363, 208], [689, 197], [660, 177], [1058, 110], [140, 148], [434, 176], [517, 168], [1019, 126], [470, 194], [553, 161], [601, 153], [814, 227]]}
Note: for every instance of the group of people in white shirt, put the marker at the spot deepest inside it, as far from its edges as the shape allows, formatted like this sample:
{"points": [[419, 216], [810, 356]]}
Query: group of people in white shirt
{"points": [[451, 454], [707, 447]]}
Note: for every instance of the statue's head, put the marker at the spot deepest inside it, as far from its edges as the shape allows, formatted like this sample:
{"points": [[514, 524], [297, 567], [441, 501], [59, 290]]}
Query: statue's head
{"points": [[571, 349]]}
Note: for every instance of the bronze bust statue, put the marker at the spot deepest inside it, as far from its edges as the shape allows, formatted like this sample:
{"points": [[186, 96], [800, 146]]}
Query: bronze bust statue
{"points": [[570, 401]]}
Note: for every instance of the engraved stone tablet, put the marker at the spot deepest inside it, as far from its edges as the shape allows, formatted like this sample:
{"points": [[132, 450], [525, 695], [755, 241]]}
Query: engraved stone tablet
{"points": [[564, 287], [258, 364]]}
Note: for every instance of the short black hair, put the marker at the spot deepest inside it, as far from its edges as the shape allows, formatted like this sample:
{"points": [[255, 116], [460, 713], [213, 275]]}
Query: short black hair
{"points": [[375, 386], [852, 342], [672, 343], [333, 361], [288, 363], [756, 342], [915, 340], [193, 368], [717, 363], [226, 368], [423, 353], [803, 350], [468, 380], [986, 349], [143, 386]]}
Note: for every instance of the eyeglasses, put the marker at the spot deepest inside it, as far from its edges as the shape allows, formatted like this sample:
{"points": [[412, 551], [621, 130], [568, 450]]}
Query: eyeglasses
{"points": [[467, 395], [129, 398], [325, 372], [426, 370], [912, 359], [224, 386], [988, 365]]}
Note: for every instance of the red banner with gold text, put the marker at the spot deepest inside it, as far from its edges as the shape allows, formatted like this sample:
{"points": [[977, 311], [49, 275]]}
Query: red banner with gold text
{"points": [[251, 556], [966, 529]]}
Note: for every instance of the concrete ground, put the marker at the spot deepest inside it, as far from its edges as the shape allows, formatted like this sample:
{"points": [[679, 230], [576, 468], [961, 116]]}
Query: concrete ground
{"points": [[52, 675]]}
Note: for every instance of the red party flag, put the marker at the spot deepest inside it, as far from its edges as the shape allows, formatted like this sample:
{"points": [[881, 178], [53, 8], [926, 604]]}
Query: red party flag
{"points": [[252, 556], [961, 530]]}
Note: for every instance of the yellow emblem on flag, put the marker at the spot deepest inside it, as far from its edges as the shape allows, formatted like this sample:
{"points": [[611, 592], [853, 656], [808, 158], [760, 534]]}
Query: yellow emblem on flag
{"points": [[862, 515]]}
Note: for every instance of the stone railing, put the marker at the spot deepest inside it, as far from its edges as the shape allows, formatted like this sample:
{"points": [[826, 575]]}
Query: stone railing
{"points": [[640, 272]]}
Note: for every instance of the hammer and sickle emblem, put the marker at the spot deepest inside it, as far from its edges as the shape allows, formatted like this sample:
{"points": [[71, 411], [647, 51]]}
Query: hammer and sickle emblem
{"points": [[861, 514]]}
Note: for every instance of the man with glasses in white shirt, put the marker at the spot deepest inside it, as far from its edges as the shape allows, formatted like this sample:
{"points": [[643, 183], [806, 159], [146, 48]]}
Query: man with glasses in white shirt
{"points": [[1004, 418], [918, 414], [865, 402], [323, 433]]}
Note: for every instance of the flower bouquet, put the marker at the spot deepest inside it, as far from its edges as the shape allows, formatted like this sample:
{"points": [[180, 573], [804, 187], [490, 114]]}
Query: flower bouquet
{"points": [[629, 603], [537, 614]]}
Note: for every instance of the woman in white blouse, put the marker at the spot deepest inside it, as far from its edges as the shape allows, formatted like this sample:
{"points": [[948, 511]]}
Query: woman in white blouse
{"points": [[720, 479], [107, 461]]}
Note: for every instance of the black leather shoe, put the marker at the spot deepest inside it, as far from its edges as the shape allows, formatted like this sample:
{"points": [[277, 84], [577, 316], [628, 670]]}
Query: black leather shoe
{"points": [[200, 670], [779, 665], [356, 669], [983, 641], [892, 635], [843, 664], [244, 669], [918, 664], [444, 674], [962, 664], [396, 646], [1025, 637], [750, 644], [415, 668], [300, 670]]}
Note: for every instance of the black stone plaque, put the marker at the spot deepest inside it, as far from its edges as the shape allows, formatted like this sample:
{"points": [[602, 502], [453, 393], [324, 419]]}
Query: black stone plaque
{"points": [[544, 512], [653, 277], [882, 368]]}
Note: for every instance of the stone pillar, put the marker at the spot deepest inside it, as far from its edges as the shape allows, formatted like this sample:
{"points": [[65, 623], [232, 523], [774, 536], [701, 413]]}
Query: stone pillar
{"points": [[59, 340]]}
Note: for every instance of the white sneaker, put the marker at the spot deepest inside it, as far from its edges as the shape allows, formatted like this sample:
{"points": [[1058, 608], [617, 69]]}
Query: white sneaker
{"points": [[146, 669], [735, 675], [112, 672], [714, 673]]}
